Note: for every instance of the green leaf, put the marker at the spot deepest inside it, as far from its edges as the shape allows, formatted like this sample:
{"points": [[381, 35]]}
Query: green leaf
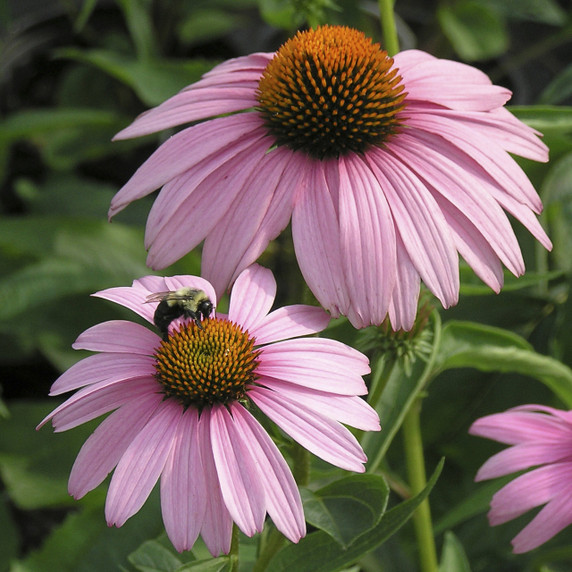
{"points": [[152, 556], [137, 14], [84, 542], [453, 558], [547, 119], [9, 539], [402, 387], [153, 80], [486, 348], [559, 88], [348, 507], [35, 465], [221, 564], [207, 24], [476, 32], [319, 552], [472, 286], [545, 11]]}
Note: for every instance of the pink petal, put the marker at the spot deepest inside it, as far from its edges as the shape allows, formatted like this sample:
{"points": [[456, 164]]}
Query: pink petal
{"points": [[283, 500], [102, 451], [405, 295], [420, 224], [530, 490], [183, 487], [95, 400], [172, 158], [317, 363], [185, 213], [142, 463], [237, 473], [252, 296], [109, 368], [522, 424], [350, 410], [118, 336], [264, 204], [367, 238], [216, 528], [226, 88], [524, 456], [323, 437], [315, 231], [553, 518], [290, 322], [467, 87]]}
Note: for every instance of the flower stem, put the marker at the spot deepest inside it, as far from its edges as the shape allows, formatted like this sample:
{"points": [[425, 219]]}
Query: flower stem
{"points": [[234, 545], [388, 28], [273, 541], [417, 480]]}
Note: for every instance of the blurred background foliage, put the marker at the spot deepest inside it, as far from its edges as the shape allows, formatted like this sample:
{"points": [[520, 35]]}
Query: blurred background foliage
{"points": [[72, 74]]}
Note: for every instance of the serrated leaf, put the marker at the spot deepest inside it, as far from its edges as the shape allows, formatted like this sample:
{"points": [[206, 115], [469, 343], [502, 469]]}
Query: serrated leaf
{"points": [[486, 348], [319, 552], [348, 507], [476, 32]]}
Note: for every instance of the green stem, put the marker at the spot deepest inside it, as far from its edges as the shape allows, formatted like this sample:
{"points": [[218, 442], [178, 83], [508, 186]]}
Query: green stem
{"points": [[388, 28], [417, 480], [273, 542], [234, 545]]}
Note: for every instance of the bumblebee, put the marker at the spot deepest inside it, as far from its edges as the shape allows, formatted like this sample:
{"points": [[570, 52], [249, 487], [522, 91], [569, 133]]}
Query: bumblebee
{"points": [[185, 302]]}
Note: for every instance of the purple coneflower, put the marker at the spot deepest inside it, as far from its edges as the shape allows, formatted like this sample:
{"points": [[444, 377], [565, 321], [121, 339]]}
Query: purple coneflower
{"points": [[540, 437], [184, 409], [388, 167]]}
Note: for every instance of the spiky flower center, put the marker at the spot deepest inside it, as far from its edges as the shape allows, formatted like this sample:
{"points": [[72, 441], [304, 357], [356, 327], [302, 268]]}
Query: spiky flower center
{"points": [[201, 367], [331, 91]]}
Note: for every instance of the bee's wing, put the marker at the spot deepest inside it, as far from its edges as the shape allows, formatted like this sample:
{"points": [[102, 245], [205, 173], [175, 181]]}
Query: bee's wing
{"points": [[158, 296]]}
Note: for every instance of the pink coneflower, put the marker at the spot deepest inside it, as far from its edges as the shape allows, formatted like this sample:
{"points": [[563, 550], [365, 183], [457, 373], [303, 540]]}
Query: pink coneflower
{"points": [[389, 168], [186, 408], [540, 437]]}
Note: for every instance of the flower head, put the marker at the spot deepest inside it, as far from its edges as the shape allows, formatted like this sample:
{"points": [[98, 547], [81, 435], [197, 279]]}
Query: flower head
{"points": [[540, 437], [184, 409], [389, 168]]}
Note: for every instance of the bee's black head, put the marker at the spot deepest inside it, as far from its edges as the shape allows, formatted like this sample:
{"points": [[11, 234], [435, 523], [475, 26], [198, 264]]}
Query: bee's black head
{"points": [[205, 308]]}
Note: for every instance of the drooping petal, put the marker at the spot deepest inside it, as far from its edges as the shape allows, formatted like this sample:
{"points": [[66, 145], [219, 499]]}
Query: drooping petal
{"points": [[183, 487], [290, 322], [426, 238], [228, 87], [405, 295], [350, 410], [367, 238], [265, 204], [216, 528], [528, 491], [185, 213], [317, 363], [283, 501], [523, 456], [323, 437], [118, 336], [173, 158], [141, 464], [103, 368], [106, 445], [252, 296], [315, 231], [237, 472]]}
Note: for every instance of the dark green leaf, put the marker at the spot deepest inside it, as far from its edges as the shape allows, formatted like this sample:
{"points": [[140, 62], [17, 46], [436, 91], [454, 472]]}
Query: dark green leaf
{"points": [[152, 80], [545, 11], [319, 552], [152, 556], [475, 31], [221, 564], [347, 508], [466, 344], [547, 119], [453, 558], [137, 14], [9, 538], [559, 89]]}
